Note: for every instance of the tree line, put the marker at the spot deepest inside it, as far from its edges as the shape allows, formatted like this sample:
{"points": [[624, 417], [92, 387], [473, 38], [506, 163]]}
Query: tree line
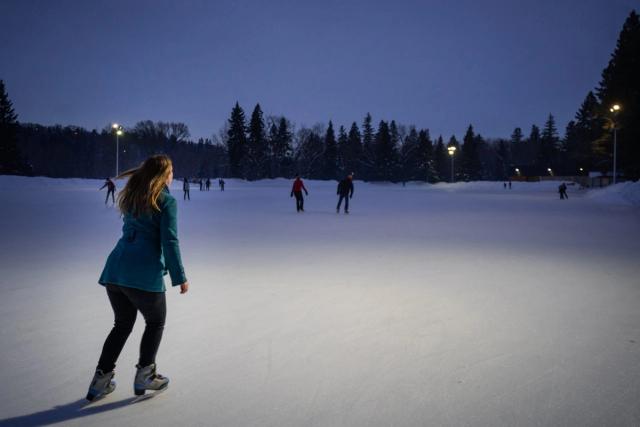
{"points": [[259, 147]]}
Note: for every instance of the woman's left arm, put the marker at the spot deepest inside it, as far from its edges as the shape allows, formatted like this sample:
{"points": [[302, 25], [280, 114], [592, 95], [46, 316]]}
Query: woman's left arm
{"points": [[169, 241]]}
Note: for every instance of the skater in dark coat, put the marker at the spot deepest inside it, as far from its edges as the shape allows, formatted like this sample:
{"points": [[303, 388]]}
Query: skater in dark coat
{"points": [[207, 184], [345, 191], [201, 184], [296, 190], [185, 188], [133, 274], [562, 189], [111, 190], [221, 184]]}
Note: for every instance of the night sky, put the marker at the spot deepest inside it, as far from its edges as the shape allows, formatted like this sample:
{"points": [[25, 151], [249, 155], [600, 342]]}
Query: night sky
{"points": [[435, 64]]}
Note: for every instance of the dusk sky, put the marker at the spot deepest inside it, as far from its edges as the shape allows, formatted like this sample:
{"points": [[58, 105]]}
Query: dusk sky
{"points": [[436, 64]]}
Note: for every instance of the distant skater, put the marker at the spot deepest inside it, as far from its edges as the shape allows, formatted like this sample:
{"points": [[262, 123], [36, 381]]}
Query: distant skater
{"points": [[296, 190], [221, 184], [509, 185], [201, 184], [185, 188], [345, 191], [504, 185], [111, 190], [207, 184], [562, 189], [133, 274]]}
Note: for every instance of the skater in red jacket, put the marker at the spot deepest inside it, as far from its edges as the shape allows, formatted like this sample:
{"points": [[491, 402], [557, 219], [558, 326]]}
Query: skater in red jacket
{"points": [[296, 190]]}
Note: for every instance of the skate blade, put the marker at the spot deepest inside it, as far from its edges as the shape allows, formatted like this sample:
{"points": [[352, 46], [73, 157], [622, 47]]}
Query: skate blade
{"points": [[149, 395]]}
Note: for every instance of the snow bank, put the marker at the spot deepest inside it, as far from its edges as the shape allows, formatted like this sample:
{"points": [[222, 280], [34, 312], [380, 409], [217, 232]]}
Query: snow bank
{"points": [[626, 193]]}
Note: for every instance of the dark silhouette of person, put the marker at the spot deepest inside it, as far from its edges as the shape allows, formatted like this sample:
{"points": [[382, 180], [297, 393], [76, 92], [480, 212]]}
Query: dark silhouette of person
{"points": [[509, 185], [221, 184], [504, 185], [207, 184], [296, 190], [111, 190], [201, 183], [345, 191], [562, 189], [185, 188]]}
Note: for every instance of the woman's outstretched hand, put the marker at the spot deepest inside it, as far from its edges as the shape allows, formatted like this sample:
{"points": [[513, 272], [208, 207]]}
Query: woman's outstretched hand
{"points": [[184, 288]]}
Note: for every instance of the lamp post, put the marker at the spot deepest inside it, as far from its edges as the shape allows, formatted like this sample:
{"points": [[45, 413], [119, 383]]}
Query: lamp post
{"points": [[118, 131], [452, 152], [614, 111]]}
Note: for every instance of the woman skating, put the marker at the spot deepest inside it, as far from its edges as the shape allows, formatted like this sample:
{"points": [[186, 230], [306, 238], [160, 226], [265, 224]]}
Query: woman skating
{"points": [[133, 274]]}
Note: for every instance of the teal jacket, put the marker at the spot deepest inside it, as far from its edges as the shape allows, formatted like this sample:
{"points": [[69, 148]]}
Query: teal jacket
{"points": [[147, 249]]}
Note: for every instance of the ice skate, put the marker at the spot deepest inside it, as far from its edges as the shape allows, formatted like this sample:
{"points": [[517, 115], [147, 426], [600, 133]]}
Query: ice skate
{"points": [[148, 379], [101, 385]]}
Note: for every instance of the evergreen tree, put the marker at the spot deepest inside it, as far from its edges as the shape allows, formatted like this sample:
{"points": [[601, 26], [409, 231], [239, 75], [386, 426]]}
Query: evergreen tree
{"points": [[368, 152], [503, 160], [11, 162], [425, 163], [343, 150], [330, 156], [471, 165], [409, 157], [441, 161], [257, 147], [620, 84], [236, 142], [548, 147], [353, 159], [516, 136], [283, 150], [385, 154]]}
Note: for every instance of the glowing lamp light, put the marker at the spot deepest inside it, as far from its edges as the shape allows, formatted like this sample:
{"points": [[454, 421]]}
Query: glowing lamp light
{"points": [[452, 150], [119, 132], [549, 169], [115, 126], [615, 108]]}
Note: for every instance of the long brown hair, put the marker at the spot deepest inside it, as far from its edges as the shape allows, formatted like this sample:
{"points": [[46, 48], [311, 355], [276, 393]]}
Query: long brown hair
{"points": [[140, 194]]}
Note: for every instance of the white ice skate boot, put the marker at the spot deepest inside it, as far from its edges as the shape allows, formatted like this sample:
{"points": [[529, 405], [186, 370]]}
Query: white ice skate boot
{"points": [[101, 385], [147, 379]]}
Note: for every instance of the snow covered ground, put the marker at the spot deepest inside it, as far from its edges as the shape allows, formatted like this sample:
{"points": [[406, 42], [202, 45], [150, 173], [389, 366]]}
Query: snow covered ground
{"points": [[444, 305]]}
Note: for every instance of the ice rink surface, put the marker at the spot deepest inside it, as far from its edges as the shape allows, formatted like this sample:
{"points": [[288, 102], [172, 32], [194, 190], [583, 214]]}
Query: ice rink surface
{"points": [[445, 305]]}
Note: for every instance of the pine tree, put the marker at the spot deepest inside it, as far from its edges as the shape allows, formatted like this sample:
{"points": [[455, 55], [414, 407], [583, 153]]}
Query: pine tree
{"points": [[425, 161], [237, 142], [343, 149], [368, 152], [330, 156], [353, 159], [11, 162], [283, 151], [471, 166], [620, 84], [256, 146], [516, 136], [548, 147], [409, 153], [385, 154], [441, 161]]}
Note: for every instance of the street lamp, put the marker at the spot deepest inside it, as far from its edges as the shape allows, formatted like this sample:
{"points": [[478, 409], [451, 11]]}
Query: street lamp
{"points": [[615, 108], [118, 131], [550, 171], [452, 152]]}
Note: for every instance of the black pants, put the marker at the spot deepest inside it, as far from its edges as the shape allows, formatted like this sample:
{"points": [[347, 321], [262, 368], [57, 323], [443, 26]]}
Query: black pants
{"points": [[125, 303], [346, 203], [112, 196], [186, 195], [299, 200]]}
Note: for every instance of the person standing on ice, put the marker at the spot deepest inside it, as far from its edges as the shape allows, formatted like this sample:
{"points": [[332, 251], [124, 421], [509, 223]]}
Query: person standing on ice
{"points": [[133, 274], [207, 184], [111, 189], [345, 191], [562, 189], [296, 190], [221, 184], [185, 188]]}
